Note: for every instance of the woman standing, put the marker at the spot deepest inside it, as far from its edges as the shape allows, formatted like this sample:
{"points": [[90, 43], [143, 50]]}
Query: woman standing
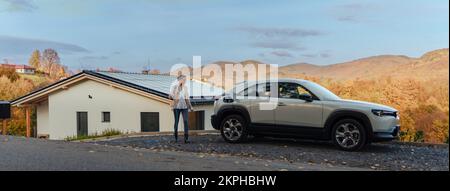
{"points": [[179, 93]]}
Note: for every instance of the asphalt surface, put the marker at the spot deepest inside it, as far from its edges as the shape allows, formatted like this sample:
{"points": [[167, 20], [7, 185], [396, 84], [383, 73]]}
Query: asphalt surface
{"points": [[378, 156], [19, 154]]}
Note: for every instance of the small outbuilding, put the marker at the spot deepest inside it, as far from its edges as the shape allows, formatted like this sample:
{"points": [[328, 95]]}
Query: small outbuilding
{"points": [[91, 102], [5, 114]]}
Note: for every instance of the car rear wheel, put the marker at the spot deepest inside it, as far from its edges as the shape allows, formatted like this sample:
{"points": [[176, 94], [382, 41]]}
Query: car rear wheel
{"points": [[349, 135], [233, 129]]}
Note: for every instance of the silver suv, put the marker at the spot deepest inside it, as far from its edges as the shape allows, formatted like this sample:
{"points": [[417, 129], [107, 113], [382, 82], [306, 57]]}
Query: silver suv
{"points": [[303, 109]]}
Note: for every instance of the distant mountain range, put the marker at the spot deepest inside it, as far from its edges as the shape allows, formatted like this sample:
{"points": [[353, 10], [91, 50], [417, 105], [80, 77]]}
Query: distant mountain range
{"points": [[433, 65]]}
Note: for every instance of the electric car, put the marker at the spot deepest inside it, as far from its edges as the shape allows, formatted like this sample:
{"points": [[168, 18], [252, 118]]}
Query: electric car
{"points": [[301, 109]]}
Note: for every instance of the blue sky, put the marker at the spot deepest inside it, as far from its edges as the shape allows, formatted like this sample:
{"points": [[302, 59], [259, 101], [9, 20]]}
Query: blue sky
{"points": [[132, 34]]}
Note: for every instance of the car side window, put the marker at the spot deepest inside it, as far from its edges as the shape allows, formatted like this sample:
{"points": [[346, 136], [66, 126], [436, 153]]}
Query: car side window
{"points": [[292, 91], [250, 91], [287, 90], [303, 91], [264, 90]]}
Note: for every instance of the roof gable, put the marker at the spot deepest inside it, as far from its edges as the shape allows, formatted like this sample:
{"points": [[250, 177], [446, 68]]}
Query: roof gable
{"points": [[156, 85]]}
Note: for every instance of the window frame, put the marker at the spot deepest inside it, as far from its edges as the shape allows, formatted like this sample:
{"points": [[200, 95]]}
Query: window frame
{"points": [[103, 117]]}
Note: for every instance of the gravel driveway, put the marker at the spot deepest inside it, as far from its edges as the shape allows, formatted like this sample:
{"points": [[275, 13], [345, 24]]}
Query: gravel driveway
{"points": [[378, 156], [19, 153]]}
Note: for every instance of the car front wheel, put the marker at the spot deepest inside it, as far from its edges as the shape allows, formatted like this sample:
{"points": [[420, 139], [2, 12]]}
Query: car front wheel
{"points": [[233, 129], [349, 135]]}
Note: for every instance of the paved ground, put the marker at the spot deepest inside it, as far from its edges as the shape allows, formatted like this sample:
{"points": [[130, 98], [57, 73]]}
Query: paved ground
{"points": [[379, 156], [18, 153]]}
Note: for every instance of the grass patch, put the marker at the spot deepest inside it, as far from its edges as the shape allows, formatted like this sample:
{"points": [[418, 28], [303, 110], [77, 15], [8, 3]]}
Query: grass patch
{"points": [[105, 133], [36, 78]]}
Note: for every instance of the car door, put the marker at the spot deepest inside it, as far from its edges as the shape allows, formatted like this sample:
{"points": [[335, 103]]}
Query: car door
{"points": [[294, 112], [260, 106]]}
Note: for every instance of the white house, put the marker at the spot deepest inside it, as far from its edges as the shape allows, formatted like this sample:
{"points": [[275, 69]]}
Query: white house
{"points": [[91, 102], [22, 69]]}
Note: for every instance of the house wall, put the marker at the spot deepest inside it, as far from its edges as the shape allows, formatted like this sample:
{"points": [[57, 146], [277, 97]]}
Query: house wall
{"points": [[29, 71], [25, 71], [125, 108]]}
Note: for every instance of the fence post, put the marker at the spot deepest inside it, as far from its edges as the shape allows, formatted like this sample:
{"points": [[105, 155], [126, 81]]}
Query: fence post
{"points": [[4, 122]]}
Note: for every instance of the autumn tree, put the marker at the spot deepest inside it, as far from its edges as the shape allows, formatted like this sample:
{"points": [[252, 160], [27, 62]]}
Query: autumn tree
{"points": [[51, 64], [50, 58], [10, 73], [62, 71], [35, 60], [10, 90]]}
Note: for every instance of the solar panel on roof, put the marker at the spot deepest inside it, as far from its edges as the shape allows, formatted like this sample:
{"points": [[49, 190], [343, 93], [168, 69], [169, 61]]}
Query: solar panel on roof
{"points": [[162, 83]]}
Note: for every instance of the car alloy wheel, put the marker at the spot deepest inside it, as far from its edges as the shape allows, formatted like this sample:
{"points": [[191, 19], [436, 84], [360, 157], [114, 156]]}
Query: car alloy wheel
{"points": [[232, 129], [348, 135]]}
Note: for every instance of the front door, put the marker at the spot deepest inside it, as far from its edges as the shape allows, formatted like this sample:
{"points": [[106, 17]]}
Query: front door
{"points": [[149, 121], [295, 112], [82, 123]]}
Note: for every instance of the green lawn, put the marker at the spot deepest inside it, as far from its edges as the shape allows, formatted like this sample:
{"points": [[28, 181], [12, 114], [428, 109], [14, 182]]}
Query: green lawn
{"points": [[105, 133], [37, 79]]}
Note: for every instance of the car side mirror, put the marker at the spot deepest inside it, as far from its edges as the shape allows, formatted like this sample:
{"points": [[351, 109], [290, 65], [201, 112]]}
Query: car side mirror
{"points": [[306, 97]]}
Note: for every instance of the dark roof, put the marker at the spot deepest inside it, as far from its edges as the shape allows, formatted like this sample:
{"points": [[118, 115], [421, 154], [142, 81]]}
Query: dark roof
{"points": [[155, 84], [122, 81]]}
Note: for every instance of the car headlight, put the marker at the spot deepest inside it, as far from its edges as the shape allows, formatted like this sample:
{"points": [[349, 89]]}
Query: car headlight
{"points": [[381, 113]]}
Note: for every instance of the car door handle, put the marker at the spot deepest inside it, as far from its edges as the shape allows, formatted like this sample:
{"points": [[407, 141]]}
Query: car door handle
{"points": [[281, 104]]}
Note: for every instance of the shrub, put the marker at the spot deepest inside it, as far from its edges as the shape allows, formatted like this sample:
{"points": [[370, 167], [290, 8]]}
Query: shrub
{"points": [[111, 132], [419, 136], [10, 73]]}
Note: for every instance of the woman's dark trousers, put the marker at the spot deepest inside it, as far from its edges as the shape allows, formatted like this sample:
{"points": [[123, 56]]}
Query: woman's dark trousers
{"points": [[176, 113]]}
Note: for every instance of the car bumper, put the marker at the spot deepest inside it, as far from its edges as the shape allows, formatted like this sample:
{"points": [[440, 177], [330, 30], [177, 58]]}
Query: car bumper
{"points": [[387, 136], [214, 122]]}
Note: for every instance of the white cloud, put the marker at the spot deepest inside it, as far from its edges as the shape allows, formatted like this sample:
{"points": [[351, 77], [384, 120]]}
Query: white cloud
{"points": [[18, 5], [281, 53], [273, 32], [23, 46]]}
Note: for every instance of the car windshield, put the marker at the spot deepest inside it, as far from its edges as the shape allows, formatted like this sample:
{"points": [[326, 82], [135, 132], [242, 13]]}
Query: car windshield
{"points": [[320, 90]]}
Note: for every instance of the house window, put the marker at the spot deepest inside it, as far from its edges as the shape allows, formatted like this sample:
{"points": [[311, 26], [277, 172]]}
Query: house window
{"points": [[106, 117]]}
